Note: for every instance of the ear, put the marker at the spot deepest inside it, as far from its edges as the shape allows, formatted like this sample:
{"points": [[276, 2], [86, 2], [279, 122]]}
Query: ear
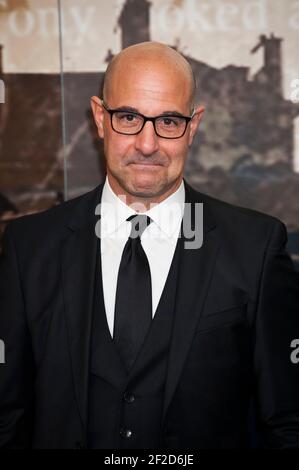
{"points": [[98, 114], [195, 122]]}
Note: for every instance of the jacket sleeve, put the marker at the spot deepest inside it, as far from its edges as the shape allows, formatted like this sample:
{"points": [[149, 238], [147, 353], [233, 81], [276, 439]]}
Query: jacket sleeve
{"points": [[277, 326], [16, 373]]}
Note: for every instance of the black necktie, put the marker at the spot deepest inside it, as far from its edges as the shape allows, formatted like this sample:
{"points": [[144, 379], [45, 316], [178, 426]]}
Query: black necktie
{"points": [[133, 302]]}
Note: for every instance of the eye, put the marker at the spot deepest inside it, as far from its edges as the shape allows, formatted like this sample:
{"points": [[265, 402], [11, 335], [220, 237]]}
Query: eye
{"points": [[170, 121], [128, 117], [167, 121]]}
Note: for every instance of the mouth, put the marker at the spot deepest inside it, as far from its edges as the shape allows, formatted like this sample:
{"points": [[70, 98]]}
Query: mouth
{"points": [[146, 165]]}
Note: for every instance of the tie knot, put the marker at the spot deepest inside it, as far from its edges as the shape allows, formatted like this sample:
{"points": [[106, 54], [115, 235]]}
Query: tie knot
{"points": [[139, 224]]}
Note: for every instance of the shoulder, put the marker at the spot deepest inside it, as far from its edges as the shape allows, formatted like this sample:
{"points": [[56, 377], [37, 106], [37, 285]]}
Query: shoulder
{"points": [[50, 225], [239, 222]]}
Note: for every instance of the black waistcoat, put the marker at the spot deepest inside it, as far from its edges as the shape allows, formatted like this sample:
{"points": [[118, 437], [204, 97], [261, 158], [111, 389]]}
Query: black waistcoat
{"points": [[124, 409]]}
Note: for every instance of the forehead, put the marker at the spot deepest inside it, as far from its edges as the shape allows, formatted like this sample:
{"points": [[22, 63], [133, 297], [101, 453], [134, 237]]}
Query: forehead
{"points": [[149, 86]]}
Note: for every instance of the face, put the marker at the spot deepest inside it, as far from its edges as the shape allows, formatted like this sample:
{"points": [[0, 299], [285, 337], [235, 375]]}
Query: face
{"points": [[145, 166]]}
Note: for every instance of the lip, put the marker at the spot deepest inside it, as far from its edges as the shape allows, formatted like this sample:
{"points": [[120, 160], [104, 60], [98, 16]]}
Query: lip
{"points": [[153, 165]]}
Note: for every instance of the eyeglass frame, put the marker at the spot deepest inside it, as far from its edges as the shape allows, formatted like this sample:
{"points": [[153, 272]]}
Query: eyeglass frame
{"points": [[146, 118]]}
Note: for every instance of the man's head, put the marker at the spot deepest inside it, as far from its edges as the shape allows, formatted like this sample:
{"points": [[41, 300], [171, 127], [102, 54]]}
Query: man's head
{"points": [[152, 79]]}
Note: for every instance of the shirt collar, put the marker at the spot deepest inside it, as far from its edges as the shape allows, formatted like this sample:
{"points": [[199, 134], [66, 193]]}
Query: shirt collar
{"points": [[167, 215]]}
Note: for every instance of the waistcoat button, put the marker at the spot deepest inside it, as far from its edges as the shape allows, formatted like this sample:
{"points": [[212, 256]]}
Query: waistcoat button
{"points": [[125, 433], [129, 397]]}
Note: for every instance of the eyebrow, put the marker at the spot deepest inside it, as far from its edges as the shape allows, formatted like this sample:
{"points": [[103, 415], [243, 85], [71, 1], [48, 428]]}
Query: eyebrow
{"points": [[135, 110]]}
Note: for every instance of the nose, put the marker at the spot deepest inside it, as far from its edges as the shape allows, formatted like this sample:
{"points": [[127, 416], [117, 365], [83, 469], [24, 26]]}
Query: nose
{"points": [[147, 140]]}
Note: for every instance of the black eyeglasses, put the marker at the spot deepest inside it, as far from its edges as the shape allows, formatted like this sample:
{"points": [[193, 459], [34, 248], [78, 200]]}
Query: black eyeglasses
{"points": [[131, 123]]}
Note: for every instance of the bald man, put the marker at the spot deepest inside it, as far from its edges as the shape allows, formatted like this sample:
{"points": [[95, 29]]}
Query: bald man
{"points": [[145, 314]]}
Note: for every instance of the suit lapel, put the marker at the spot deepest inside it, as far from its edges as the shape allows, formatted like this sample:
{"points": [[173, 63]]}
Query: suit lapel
{"points": [[195, 272], [78, 257]]}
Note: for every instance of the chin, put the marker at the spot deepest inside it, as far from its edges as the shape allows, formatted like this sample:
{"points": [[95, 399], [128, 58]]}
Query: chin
{"points": [[144, 188], [146, 182], [144, 191]]}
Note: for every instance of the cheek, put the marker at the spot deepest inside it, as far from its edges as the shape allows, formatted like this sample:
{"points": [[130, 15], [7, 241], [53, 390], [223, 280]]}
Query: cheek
{"points": [[177, 153], [115, 148]]}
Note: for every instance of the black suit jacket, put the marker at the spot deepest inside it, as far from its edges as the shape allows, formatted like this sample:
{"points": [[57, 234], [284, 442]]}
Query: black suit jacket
{"points": [[236, 314]]}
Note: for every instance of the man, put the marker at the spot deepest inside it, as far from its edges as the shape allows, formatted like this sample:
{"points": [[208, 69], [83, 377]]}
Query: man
{"points": [[119, 334]]}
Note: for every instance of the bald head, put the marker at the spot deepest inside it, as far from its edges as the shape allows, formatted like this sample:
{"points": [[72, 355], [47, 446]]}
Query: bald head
{"points": [[149, 55]]}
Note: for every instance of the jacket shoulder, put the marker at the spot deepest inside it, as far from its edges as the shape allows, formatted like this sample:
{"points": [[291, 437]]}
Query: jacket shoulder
{"points": [[52, 222], [226, 213], [241, 227]]}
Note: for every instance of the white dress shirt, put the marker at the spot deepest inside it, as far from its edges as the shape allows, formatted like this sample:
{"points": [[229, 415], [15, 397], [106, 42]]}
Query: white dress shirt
{"points": [[158, 241]]}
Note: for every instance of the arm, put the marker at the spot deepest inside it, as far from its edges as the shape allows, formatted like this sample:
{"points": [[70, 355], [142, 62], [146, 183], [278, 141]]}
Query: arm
{"points": [[277, 325], [16, 374]]}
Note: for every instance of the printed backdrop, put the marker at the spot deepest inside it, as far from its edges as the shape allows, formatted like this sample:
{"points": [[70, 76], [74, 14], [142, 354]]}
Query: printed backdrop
{"points": [[245, 54]]}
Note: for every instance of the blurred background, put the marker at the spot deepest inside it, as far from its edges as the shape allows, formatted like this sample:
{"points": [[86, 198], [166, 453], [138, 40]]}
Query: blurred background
{"points": [[244, 53]]}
